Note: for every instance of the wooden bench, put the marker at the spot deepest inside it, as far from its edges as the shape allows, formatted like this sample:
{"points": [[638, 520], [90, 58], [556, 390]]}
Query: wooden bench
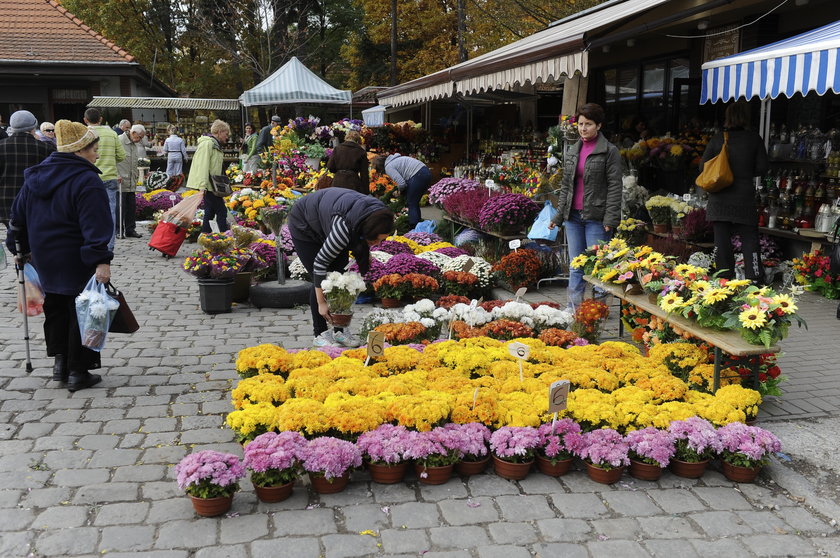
{"points": [[729, 342]]}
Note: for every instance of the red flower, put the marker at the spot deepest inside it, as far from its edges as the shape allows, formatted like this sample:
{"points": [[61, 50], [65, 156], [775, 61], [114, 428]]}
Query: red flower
{"points": [[774, 371]]}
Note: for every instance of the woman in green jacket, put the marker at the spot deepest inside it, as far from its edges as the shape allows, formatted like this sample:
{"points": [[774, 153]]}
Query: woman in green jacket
{"points": [[207, 162], [249, 149]]}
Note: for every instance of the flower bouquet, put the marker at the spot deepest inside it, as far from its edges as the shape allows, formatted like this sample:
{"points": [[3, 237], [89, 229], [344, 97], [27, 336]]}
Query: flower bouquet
{"points": [[210, 478], [459, 283], [651, 449], [589, 315], [813, 272], [762, 315], [696, 443], [216, 243], [559, 441], [328, 461], [435, 453], [606, 454], [508, 213], [383, 450], [745, 450], [273, 461], [340, 290], [513, 450]]}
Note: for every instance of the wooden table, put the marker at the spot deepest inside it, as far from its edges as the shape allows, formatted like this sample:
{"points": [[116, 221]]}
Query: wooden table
{"points": [[729, 342]]}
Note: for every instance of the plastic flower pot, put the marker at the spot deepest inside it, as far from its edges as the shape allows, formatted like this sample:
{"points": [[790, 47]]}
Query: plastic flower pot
{"points": [[468, 468], [211, 507], [688, 469], [271, 494], [387, 474], [511, 471], [644, 471], [553, 470], [740, 474], [215, 295], [242, 286], [323, 486]]}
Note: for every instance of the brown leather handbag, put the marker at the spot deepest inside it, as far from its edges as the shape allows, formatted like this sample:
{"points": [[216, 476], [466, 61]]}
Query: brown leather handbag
{"points": [[124, 320]]}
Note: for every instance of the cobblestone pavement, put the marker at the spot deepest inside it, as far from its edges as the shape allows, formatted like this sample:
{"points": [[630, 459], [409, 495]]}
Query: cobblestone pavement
{"points": [[90, 474]]}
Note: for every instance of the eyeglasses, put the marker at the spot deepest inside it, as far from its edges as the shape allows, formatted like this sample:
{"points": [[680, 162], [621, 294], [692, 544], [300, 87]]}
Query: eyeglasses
{"points": [[49, 130]]}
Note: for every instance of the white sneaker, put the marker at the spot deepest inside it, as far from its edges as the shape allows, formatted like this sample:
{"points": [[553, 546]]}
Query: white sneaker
{"points": [[326, 339], [347, 340]]}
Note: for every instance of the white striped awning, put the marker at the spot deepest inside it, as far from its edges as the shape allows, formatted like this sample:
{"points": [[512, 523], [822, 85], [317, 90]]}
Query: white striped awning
{"points": [[800, 64], [181, 103], [420, 95], [294, 83]]}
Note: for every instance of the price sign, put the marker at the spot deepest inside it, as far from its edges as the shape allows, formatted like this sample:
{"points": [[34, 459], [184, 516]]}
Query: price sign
{"points": [[686, 197], [468, 265], [375, 344], [558, 395], [514, 244], [520, 292], [489, 183], [519, 350]]}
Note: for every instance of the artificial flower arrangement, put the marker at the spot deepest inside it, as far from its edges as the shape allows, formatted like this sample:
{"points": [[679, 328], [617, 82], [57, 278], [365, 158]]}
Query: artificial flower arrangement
{"points": [[249, 202], [385, 445], [651, 446], [459, 283], [508, 212], [218, 260], [746, 446], [209, 474], [410, 285], [519, 268], [695, 438], [273, 458], [330, 457], [217, 243], [515, 444], [341, 289], [763, 315], [813, 272], [605, 449], [444, 188], [559, 440], [631, 231]]}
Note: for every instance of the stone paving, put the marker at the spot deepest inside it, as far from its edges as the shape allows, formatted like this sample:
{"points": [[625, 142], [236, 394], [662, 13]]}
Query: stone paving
{"points": [[91, 473]]}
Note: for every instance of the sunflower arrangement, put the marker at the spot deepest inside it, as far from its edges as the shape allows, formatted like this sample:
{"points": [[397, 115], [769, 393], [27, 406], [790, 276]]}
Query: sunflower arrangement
{"points": [[763, 315]]}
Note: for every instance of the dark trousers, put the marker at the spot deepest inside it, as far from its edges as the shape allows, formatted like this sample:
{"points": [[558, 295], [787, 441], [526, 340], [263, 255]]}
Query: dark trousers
{"points": [[416, 186], [725, 254], [128, 211], [61, 331], [214, 207], [307, 251]]}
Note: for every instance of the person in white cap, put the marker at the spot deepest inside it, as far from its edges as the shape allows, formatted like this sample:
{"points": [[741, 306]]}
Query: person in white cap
{"points": [[18, 152], [132, 143]]}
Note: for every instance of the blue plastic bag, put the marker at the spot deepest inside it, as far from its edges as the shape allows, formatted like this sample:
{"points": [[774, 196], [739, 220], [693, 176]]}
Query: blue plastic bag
{"points": [[539, 230], [427, 226], [95, 309]]}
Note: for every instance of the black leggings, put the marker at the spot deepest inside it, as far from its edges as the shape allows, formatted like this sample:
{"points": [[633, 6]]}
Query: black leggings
{"points": [[725, 254], [307, 251], [61, 331]]}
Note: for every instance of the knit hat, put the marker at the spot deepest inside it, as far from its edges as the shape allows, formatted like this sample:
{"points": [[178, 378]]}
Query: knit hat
{"points": [[22, 121], [73, 136]]}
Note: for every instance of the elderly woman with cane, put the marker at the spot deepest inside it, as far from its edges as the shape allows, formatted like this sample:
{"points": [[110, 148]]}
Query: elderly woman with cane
{"points": [[62, 221]]}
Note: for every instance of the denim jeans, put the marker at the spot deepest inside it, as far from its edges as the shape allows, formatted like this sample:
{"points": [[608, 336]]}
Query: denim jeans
{"points": [[416, 186], [113, 188], [581, 234], [214, 207]]}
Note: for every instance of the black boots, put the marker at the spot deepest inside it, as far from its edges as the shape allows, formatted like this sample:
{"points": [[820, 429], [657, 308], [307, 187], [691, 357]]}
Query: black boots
{"points": [[82, 380], [60, 371]]}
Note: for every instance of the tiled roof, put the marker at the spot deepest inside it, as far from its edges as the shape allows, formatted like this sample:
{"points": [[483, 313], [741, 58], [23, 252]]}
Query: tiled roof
{"points": [[44, 31]]}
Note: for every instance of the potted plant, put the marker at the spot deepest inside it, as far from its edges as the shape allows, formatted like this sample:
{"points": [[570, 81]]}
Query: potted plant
{"points": [[473, 438], [328, 461], [605, 453], [696, 443], [520, 268], [679, 209], [508, 213], [513, 450], [215, 267], [382, 449], [340, 290], [394, 287], [744, 450], [559, 441], [313, 152], [273, 461], [435, 453], [589, 315], [659, 209], [459, 283], [210, 479], [651, 449]]}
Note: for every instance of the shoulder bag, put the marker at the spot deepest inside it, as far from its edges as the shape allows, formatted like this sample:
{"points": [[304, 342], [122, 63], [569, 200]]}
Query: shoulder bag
{"points": [[716, 174], [221, 185], [123, 320]]}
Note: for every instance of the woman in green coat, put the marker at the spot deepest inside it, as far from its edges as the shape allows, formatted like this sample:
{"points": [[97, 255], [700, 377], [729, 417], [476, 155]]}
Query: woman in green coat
{"points": [[249, 149], [207, 162]]}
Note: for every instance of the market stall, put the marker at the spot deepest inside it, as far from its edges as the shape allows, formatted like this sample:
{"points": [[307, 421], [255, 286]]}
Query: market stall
{"points": [[294, 84]]}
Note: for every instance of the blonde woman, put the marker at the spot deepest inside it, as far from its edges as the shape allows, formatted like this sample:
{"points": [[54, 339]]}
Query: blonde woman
{"points": [[208, 161]]}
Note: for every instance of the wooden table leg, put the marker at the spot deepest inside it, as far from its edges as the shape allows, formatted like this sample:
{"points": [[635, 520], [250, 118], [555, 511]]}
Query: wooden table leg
{"points": [[755, 367], [620, 322], [716, 380]]}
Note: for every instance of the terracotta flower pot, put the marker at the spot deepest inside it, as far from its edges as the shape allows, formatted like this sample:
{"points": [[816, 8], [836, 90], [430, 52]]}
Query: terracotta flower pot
{"points": [[433, 475], [271, 494], [740, 474], [341, 320], [645, 471], [387, 474], [391, 303], [604, 476], [511, 471], [322, 486], [211, 507], [660, 227], [688, 469], [676, 230], [468, 468], [556, 470]]}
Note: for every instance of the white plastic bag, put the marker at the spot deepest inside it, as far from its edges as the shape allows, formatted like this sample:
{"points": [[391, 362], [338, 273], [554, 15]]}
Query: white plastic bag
{"points": [[34, 302], [95, 310]]}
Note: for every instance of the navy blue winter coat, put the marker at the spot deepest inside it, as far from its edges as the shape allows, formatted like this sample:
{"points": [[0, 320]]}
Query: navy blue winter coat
{"points": [[64, 219]]}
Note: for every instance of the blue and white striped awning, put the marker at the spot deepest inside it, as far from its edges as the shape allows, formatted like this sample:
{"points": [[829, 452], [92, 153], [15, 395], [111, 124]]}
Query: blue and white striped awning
{"points": [[294, 83], [800, 64]]}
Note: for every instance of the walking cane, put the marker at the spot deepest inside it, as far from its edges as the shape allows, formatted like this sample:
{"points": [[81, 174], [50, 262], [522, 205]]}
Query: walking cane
{"points": [[119, 211], [22, 283]]}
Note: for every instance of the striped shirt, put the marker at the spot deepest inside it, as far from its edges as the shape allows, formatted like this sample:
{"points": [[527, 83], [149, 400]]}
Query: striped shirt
{"points": [[337, 241]]}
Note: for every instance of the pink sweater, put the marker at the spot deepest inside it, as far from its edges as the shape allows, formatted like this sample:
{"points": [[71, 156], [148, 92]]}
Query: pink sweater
{"points": [[586, 148]]}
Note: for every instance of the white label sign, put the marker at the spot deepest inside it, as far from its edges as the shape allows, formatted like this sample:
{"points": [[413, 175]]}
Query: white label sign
{"points": [[468, 265], [558, 396], [686, 197], [519, 350], [520, 292]]}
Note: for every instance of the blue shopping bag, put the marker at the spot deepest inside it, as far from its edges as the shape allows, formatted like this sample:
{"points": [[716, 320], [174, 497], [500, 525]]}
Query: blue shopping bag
{"points": [[539, 230]]}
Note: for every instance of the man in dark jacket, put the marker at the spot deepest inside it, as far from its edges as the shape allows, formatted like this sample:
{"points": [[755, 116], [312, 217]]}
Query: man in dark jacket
{"points": [[18, 152], [349, 164], [266, 139]]}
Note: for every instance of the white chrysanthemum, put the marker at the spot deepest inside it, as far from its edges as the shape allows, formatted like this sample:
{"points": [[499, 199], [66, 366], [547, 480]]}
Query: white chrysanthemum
{"points": [[441, 314], [546, 316], [513, 311], [481, 268], [297, 271], [381, 257], [423, 306], [428, 322], [472, 315], [435, 258]]}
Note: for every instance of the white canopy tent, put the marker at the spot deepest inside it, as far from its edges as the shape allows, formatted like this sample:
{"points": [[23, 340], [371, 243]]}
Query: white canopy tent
{"points": [[374, 116], [294, 83], [801, 64]]}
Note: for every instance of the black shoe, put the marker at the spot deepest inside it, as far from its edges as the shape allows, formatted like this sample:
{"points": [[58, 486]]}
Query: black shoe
{"points": [[82, 380], [133, 234], [60, 371]]}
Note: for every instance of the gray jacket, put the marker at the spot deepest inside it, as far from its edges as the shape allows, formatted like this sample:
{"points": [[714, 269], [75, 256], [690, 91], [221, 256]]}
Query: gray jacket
{"points": [[401, 169], [602, 185], [127, 168]]}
